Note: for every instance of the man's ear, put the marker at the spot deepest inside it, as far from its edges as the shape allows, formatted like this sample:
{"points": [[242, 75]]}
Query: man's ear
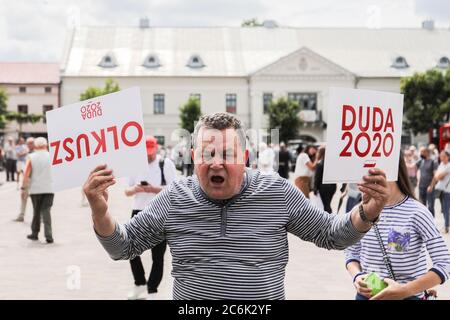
{"points": [[192, 154], [247, 155]]}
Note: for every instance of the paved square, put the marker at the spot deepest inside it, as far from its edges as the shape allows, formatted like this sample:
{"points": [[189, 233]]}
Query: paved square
{"points": [[35, 270]]}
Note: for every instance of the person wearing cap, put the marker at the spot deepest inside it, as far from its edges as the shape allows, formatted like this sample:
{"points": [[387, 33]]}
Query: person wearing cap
{"points": [[227, 226], [144, 187], [441, 183]]}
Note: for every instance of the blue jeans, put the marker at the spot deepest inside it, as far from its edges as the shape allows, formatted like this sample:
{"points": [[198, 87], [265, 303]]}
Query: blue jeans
{"points": [[427, 198], [351, 202], [446, 207]]}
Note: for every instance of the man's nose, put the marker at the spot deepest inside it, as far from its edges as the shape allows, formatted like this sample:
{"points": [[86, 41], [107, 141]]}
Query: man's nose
{"points": [[217, 162]]}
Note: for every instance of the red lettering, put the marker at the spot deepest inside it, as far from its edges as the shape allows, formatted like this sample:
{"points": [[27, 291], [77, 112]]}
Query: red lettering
{"points": [[345, 126], [116, 139], [86, 144], [357, 150], [56, 144], [389, 121], [366, 127], [345, 152], [68, 149], [139, 137], [101, 141], [377, 111]]}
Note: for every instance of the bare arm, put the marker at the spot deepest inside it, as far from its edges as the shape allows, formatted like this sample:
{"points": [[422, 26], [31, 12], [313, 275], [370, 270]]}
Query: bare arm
{"points": [[397, 291], [353, 269], [26, 175], [96, 192]]}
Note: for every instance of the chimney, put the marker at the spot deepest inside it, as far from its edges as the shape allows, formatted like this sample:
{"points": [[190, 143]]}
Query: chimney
{"points": [[428, 24], [144, 23]]}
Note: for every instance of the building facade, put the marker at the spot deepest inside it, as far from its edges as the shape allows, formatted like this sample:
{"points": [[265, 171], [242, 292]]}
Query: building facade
{"points": [[240, 70], [32, 88]]}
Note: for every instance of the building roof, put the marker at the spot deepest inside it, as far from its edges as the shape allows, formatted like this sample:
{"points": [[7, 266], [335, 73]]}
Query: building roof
{"points": [[237, 51], [29, 73]]}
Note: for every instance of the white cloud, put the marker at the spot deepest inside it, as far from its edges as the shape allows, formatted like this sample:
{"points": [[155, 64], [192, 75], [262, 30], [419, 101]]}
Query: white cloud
{"points": [[35, 30]]}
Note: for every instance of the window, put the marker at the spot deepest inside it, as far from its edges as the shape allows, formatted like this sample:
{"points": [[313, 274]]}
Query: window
{"points": [[196, 96], [46, 108], [400, 63], [195, 62], [48, 89], [151, 61], [230, 102], [108, 61], [158, 103], [161, 140], [22, 89], [22, 108], [306, 101], [444, 63], [267, 99]]}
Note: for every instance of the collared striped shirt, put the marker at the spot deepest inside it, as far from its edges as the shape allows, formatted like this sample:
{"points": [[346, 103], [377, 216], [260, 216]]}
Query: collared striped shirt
{"points": [[234, 249]]}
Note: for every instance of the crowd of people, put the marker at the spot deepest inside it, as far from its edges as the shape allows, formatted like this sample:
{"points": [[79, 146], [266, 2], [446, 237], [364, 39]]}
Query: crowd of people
{"points": [[271, 189]]}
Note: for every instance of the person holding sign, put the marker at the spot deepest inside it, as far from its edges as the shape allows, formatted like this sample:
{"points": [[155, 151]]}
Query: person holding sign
{"points": [[406, 229], [227, 226]]}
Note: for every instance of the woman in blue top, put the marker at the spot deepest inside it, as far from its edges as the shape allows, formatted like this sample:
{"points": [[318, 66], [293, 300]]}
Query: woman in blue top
{"points": [[407, 230]]}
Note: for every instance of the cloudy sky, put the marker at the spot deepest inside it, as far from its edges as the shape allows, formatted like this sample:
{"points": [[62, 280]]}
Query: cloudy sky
{"points": [[34, 30]]}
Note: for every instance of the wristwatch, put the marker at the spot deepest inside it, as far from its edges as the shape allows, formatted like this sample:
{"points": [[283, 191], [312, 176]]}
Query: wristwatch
{"points": [[364, 218]]}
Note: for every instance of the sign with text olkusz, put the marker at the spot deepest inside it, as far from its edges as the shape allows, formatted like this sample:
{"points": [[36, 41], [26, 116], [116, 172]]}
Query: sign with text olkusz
{"points": [[103, 130]]}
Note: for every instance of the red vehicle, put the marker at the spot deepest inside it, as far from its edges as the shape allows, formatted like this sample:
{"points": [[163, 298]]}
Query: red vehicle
{"points": [[440, 137]]}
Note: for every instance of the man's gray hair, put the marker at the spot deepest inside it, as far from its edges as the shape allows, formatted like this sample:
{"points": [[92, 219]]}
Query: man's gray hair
{"points": [[40, 142], [220, 121]]}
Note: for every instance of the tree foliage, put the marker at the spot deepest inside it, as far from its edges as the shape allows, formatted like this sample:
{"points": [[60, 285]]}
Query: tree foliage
{"points": [[283, 115], [426, 101]]}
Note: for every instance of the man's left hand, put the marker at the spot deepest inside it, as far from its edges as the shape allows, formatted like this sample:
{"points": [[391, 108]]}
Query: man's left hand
{"points": [[394, 291], [375, 193]]}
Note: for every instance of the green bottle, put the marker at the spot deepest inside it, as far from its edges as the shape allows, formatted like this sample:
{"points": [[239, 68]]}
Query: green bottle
{"points": [[375, 283]]}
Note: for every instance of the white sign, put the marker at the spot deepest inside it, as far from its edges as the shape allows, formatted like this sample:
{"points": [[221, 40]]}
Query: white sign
{"points": [[363, 131], [103, 130]]}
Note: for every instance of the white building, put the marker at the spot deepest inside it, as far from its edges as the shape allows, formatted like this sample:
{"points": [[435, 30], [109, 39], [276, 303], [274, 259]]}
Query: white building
{"points": [[32, 88], [238, 69]]}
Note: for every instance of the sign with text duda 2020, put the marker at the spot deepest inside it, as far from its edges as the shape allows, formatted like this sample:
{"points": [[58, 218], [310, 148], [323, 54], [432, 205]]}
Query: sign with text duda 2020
{"points": [[103, 130], [363, 131]]}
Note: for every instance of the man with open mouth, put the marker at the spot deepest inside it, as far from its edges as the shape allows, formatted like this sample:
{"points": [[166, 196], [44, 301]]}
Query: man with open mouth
{"points": [[227, 226]]}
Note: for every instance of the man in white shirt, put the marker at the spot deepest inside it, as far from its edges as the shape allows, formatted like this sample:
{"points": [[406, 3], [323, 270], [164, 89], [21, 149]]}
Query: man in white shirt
{"points": [[144, 187]]}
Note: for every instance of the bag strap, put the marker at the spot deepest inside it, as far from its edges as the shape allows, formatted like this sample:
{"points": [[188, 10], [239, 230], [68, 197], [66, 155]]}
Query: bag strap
{"points": [[386, 259]]}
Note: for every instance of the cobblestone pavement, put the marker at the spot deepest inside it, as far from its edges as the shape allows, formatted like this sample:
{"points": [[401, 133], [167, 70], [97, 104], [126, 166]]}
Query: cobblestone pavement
{"points": [[76, 266]]}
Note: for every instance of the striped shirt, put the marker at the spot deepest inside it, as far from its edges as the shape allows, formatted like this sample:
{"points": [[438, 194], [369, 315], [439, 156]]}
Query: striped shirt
{"points": [[408, 231], [233, 249]]}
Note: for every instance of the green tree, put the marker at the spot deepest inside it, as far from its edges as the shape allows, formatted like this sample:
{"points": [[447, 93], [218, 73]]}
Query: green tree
{"points": [[92, 92], [190, 112], [22, 118], [426, 100], [253, 22], [3, 105], [283, 115]]}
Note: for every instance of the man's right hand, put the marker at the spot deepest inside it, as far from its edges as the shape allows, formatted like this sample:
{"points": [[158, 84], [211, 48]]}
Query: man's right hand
{"points": [[96, 187]]}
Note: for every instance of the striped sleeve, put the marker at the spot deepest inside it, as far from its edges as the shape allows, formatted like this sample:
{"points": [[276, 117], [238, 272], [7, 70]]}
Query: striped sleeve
{"points": [[353, 253], [144, 231], [435, 244], [309, 223]]}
